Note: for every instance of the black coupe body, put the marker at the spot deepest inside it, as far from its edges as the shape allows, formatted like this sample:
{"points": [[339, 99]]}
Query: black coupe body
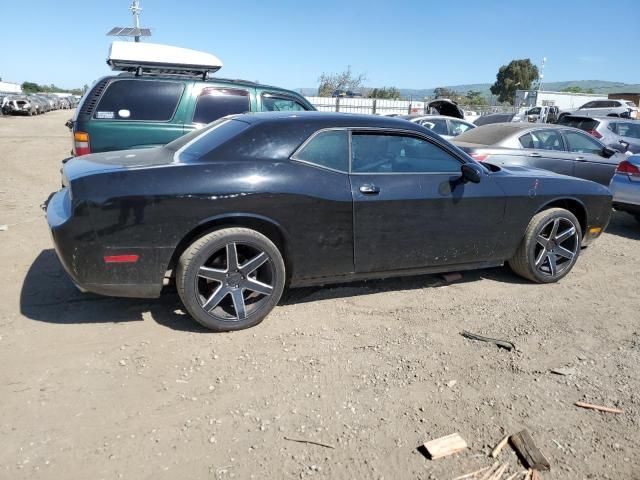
{"points": [[307, 198]]}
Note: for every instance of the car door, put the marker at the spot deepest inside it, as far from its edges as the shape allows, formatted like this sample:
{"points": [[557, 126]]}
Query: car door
{"points": [[545, 148], [411, 208], [590, 163]]}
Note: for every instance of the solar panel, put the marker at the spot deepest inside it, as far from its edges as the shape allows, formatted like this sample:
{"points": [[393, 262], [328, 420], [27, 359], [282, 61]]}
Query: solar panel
{"points": [[129, 32]]}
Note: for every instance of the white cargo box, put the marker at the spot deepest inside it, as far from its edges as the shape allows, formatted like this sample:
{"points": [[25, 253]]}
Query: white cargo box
{"points": [[154, 57]]}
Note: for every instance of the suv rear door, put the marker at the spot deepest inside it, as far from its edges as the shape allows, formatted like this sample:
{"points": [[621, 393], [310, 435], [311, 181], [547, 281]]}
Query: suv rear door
{"points": [[132, 113]]}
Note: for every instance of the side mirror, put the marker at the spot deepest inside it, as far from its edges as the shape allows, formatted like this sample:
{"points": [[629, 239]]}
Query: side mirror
{"points": [[608, 152], [471, 172]]}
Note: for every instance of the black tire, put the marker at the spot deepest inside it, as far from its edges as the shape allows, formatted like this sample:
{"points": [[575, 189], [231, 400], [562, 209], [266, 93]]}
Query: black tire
{"points": [[229, 285], [531, 249]]}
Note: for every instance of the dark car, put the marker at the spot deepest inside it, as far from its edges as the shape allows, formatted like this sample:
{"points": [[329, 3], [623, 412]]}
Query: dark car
{"points": [[254, 202], [564, 150], [617, 133], [127, 111]]}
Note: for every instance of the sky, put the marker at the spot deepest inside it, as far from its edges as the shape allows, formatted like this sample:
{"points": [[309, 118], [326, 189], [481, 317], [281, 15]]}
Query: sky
{"points": [[401, 43]]}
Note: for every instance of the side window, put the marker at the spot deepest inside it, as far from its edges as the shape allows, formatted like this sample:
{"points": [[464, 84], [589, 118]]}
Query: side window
{"points": [[631, 130], [458, 127], [582, 143], [389, 153], [214, 103], [542, 140], [436, 125], [279, 103], [328, 149], [589, 105], [139, 100]]}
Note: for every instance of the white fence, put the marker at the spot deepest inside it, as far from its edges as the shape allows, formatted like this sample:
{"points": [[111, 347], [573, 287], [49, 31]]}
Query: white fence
{"points": [[367, 105], [9, 87]]}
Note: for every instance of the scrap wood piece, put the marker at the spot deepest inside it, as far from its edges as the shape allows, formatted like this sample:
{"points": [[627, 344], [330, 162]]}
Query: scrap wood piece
{"points": [[501, 343], [530, 455], [471, 474], [599, 408], [494, 468], [535, 475], [496, 451], [301, 440], [441, 447], [517, 474], [498, 474]]}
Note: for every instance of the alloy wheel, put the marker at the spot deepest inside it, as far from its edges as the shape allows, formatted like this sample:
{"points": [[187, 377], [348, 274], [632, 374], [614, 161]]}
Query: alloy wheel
{"points": [[235, 281], [556, 246]]}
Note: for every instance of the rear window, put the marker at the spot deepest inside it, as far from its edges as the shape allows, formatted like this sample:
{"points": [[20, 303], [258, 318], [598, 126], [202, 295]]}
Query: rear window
{"points": [[582, 123], [487, 134], [195, 145], [151, 100], [215, 103]]}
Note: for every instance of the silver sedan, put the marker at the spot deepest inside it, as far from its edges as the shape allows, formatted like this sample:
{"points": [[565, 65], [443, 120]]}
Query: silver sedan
{"points": [[561, 149], [625, 186], [446, 127]]}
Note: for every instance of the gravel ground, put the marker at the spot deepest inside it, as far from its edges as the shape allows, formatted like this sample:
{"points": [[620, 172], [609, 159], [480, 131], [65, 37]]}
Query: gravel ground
{"points": [[96, 387]]}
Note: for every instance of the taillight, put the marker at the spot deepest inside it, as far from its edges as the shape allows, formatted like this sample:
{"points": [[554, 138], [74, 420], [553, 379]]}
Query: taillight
{"points": [[628, 168], [81, 143], [594, 133], [480, 157]]}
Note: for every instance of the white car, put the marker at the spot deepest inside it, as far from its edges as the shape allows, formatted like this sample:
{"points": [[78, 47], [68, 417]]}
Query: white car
{"points": [[603, 108], [446, 127]]}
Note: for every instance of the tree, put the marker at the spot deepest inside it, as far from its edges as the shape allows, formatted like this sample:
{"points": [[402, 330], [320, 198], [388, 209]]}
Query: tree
{"points": [[577, 90], [387, 93], [518, 75], [474, 97], [344, 81], [443, 92]]}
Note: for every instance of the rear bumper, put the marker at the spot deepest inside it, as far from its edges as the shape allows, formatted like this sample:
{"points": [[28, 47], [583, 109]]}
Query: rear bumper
{"points": [[625, 191], [83, 256]]}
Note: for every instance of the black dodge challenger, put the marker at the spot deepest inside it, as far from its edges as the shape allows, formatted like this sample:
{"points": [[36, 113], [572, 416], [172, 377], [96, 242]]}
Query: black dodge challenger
{"points": [[234, 212]]}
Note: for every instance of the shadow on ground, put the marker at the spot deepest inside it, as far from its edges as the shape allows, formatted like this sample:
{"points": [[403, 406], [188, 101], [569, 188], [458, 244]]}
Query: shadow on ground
{"points": [[48, 295], [624, 225]]}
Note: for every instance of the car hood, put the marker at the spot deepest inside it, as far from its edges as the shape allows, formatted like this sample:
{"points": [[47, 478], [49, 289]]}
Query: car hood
{"points": [[77, 167]]}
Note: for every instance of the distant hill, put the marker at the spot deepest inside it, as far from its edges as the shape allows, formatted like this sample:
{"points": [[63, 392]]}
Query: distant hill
{"points": [[598, 86]]}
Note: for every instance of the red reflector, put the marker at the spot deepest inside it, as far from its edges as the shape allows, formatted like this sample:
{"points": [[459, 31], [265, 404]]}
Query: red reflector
{"points": [[121, 258], [594, 133], [479, 157], [628, 168]]}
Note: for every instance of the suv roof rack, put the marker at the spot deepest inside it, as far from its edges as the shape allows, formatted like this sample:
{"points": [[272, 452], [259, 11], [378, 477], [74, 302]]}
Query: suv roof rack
{"points": [[142, 58]]}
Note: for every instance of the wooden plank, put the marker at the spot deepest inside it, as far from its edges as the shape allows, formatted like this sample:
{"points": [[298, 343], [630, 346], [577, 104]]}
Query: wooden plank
{"points": [[496, 451], [471, 474], [599, 408], [441, 447], [494, 468], [528, 452]]}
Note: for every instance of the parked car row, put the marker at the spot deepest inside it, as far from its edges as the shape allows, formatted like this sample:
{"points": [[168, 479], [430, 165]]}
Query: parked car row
{"points": [[34, 104]]}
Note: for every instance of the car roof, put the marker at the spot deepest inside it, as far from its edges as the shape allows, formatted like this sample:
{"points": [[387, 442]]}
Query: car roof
{"points": [[496, 132], [604, 118], [331, 119], [209, 79]]}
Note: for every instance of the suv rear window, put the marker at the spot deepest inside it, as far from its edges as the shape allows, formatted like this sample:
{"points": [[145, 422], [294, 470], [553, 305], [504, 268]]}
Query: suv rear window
{"points": [[582, 123], [215, 103], [139, 100]]}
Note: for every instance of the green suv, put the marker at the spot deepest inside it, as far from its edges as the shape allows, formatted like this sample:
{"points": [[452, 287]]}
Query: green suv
{"points": [[128, 111]]}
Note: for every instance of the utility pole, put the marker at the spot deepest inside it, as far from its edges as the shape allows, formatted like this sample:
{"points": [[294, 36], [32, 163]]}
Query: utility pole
{"points": [[136, 10], [136, 32]]}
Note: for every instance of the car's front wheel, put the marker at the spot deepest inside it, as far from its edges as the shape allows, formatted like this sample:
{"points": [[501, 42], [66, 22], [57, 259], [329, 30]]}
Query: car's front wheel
{"points": [[550, 246], [230, 279]]}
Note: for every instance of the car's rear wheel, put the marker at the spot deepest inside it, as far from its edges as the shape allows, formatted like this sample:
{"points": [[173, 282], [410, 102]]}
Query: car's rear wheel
{"points": [[550, 246], [230, 279]]}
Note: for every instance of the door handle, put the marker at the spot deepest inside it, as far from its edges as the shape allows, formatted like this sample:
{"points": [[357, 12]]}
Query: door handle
{"points": [[369, 189], [534, 154], [581, 159]]}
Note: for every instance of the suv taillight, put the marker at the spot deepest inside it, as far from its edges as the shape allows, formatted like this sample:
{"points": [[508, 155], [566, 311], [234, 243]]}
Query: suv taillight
{"points": [[594, 133], [81, 143], [628, 168]]}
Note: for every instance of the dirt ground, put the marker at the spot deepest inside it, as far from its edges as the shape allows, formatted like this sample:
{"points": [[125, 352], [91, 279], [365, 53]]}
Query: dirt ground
{"points": [[102, 388]]}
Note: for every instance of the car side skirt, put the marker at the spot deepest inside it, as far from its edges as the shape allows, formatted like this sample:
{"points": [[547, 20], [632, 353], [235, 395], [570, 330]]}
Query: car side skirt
{"points": [[351, 277]]}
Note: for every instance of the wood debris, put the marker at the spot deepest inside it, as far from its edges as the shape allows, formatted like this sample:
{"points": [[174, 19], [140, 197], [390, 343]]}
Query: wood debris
{"points": [[528, 452], [501, 343], [300, 440], [441, 447], [496, 451], [599, 408], [471, 474]]}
